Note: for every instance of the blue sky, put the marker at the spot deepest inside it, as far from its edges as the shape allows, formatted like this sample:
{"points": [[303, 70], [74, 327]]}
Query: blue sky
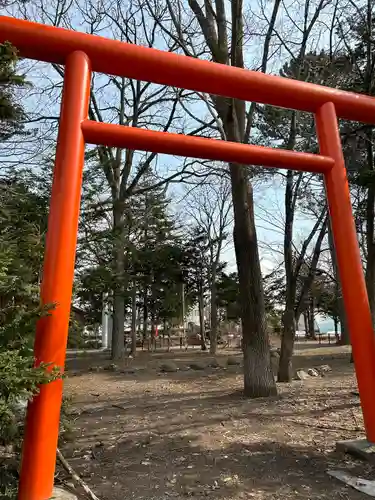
{"points": [[268, 195]]}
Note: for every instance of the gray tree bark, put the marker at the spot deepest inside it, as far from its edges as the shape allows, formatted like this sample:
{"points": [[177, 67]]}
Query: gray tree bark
{"points": [[118, 285], [345, 335], [134, 320]]}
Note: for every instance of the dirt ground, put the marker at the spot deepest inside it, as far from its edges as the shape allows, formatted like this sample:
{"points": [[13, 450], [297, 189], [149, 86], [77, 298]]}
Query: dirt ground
{"points": [[143, 434]]}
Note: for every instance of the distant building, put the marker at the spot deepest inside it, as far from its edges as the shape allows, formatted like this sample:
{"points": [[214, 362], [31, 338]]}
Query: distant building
{"points": [[301, 325], [193, 315]]}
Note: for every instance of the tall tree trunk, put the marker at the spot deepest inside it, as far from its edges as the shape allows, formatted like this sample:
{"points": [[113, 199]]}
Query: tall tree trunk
{"points": [[214, 322], [345, 335], [134, 320], [145, 315], [285, 373], [153, 315], [294, 306], [201, 321], [305, 321], [291, 193], [183, 338], [258, 376], [370, 267], [118, 289], [289, 328], [153, 333], [370, 202], [311, 332]]}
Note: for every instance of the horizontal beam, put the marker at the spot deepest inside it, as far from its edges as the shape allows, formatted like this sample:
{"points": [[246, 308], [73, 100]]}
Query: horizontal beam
{"points": [[198, 147], [50, 44]]}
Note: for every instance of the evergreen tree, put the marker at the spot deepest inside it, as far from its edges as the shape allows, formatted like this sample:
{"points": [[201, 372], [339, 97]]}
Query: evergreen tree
{"points": [[355, 35], [94, 247], [198, 276], [23, 216], [154, 254], [11, 112], [228, 296]]}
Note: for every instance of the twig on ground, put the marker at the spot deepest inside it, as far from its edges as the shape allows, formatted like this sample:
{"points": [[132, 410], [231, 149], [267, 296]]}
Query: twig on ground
{"points": [[355, 420], [324, 427], [75, 476], [118, 406]]}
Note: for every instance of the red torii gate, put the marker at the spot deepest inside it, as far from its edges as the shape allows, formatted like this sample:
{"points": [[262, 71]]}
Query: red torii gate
{"points": [[81, 54]]}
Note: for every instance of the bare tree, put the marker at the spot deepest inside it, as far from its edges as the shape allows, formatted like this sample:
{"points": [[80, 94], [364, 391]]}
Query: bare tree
{"points": [[295, 301], [300, 254], [355, 25], [209, 206], [345, 336], [131, 103], [310, 16], [207, 28]]}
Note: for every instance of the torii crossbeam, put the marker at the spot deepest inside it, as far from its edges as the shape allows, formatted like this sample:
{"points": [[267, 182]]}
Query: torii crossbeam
{"points": [[81, 54]]}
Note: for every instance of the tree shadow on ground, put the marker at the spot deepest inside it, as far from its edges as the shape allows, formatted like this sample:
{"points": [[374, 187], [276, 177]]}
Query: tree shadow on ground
{"points": [[143, 416], [180, 467], [165, 437], [180, 403]]}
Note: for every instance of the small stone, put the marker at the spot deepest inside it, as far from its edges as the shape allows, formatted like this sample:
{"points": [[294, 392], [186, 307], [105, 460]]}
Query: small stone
{"points": [[197, 366], [112, 368], [312, 372], [168, 367], [215, 364], [302, 375], [184, 368], [94, 369], [324, 369], [61, 494]]}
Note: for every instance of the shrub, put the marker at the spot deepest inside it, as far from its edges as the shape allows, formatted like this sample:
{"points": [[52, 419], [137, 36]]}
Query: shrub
{"points": [[23, 222], [21, 251], [19, 382]]}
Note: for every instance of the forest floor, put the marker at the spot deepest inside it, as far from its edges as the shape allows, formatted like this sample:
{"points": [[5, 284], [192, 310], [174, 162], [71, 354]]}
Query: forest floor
{"points": [[142, 434]]}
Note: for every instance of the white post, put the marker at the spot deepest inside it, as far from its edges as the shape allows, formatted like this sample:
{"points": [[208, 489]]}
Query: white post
{"points": [[109, 327], [183, 309], [106, 324]]}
